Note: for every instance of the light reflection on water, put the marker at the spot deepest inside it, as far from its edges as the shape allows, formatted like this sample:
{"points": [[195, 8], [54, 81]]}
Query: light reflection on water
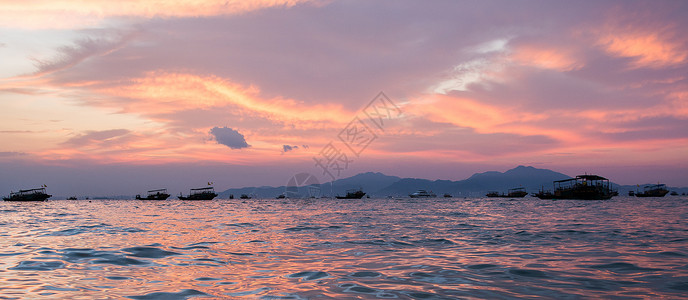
{"points": [[370, 248]]}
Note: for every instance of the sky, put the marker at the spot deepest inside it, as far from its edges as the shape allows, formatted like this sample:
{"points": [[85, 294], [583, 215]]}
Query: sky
{"points": [[117, 97]]}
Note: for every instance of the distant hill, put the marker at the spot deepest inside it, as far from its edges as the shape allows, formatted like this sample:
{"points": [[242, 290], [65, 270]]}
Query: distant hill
{"points": [[367, 181], [480, 183], [381, 185]]}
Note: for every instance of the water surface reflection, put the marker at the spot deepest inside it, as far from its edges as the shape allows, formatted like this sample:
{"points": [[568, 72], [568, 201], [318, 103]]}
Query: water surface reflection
{"points": [[369, 248]]}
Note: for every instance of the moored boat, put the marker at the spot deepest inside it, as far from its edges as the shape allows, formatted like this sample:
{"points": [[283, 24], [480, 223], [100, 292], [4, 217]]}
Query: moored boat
{"points": [[38, 194], [654, 190], [422, 194], [542, 194], [583, 187], [352, 194], [159, 194], [205, 193], [519, 192]]}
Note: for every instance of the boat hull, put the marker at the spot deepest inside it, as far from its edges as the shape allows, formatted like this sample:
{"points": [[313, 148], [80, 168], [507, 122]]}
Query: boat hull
{"points": [[578, 193], [511, 195], [652, 194], [154, 197], [199, 196], [32, 197], [349, 197], [352, 195]]}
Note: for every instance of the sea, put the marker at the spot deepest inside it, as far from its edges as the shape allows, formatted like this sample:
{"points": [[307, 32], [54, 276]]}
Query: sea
{"points": [[442, 248]]}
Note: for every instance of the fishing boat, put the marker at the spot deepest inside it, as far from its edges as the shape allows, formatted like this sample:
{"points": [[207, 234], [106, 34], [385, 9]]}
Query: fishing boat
{"points": [[282, 196], [654, 190], [160, 194], [519, 192], [422, 194], [244, 196], [673, 193], [205, 193], [447, 195], [542, 194], [72, 198], [38, 194], [583, 187], [352, 194]]}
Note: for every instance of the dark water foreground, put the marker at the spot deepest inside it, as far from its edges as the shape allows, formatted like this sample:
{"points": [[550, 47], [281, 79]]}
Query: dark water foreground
{"points": [[624, 248]]}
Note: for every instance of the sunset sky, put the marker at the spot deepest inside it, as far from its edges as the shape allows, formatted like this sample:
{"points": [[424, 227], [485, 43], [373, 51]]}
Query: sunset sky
{"points": [[105, 97]]}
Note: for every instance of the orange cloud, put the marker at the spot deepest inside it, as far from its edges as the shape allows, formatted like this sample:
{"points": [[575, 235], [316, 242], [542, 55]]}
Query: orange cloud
{"points": [[555, 59], [163, 92], [648, 49], [482, 117], [65, 14]]}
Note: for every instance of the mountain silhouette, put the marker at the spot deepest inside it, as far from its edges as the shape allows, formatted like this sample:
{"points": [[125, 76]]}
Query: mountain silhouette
{"points": [[376, 184]]}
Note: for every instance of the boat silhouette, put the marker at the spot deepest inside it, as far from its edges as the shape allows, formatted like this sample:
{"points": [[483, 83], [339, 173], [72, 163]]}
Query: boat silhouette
{"points": [[582, 187], [159, 194], [205, 193], [352, 194], [38, 194], [654, 190], [422, 194], [519, 192]]}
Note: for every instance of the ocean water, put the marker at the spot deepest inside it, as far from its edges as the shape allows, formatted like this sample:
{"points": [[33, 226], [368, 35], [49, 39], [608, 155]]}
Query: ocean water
{"points": [[624, 248]]}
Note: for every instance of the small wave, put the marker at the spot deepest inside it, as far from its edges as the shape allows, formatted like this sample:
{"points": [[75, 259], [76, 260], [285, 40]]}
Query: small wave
{"points": [[98, 228], [310, 275], [241, 225], [435, 241], [148, 252], [380, 243], [482, 266], [247, 293], [366, 274], [528, 273], [120, 261], [185, 294], [571, 231], [207, 279], [681, 286], [350, 287], [621, 267], [190, 247], [36, 265], [302, 228], [420, 295], [118, 277], [54, 288], [670, 254], [96, 256]]}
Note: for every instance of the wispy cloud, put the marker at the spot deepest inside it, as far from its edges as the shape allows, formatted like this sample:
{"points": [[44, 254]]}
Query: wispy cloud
{"points": [[91, 137], [84, 48], [66, 14]]}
